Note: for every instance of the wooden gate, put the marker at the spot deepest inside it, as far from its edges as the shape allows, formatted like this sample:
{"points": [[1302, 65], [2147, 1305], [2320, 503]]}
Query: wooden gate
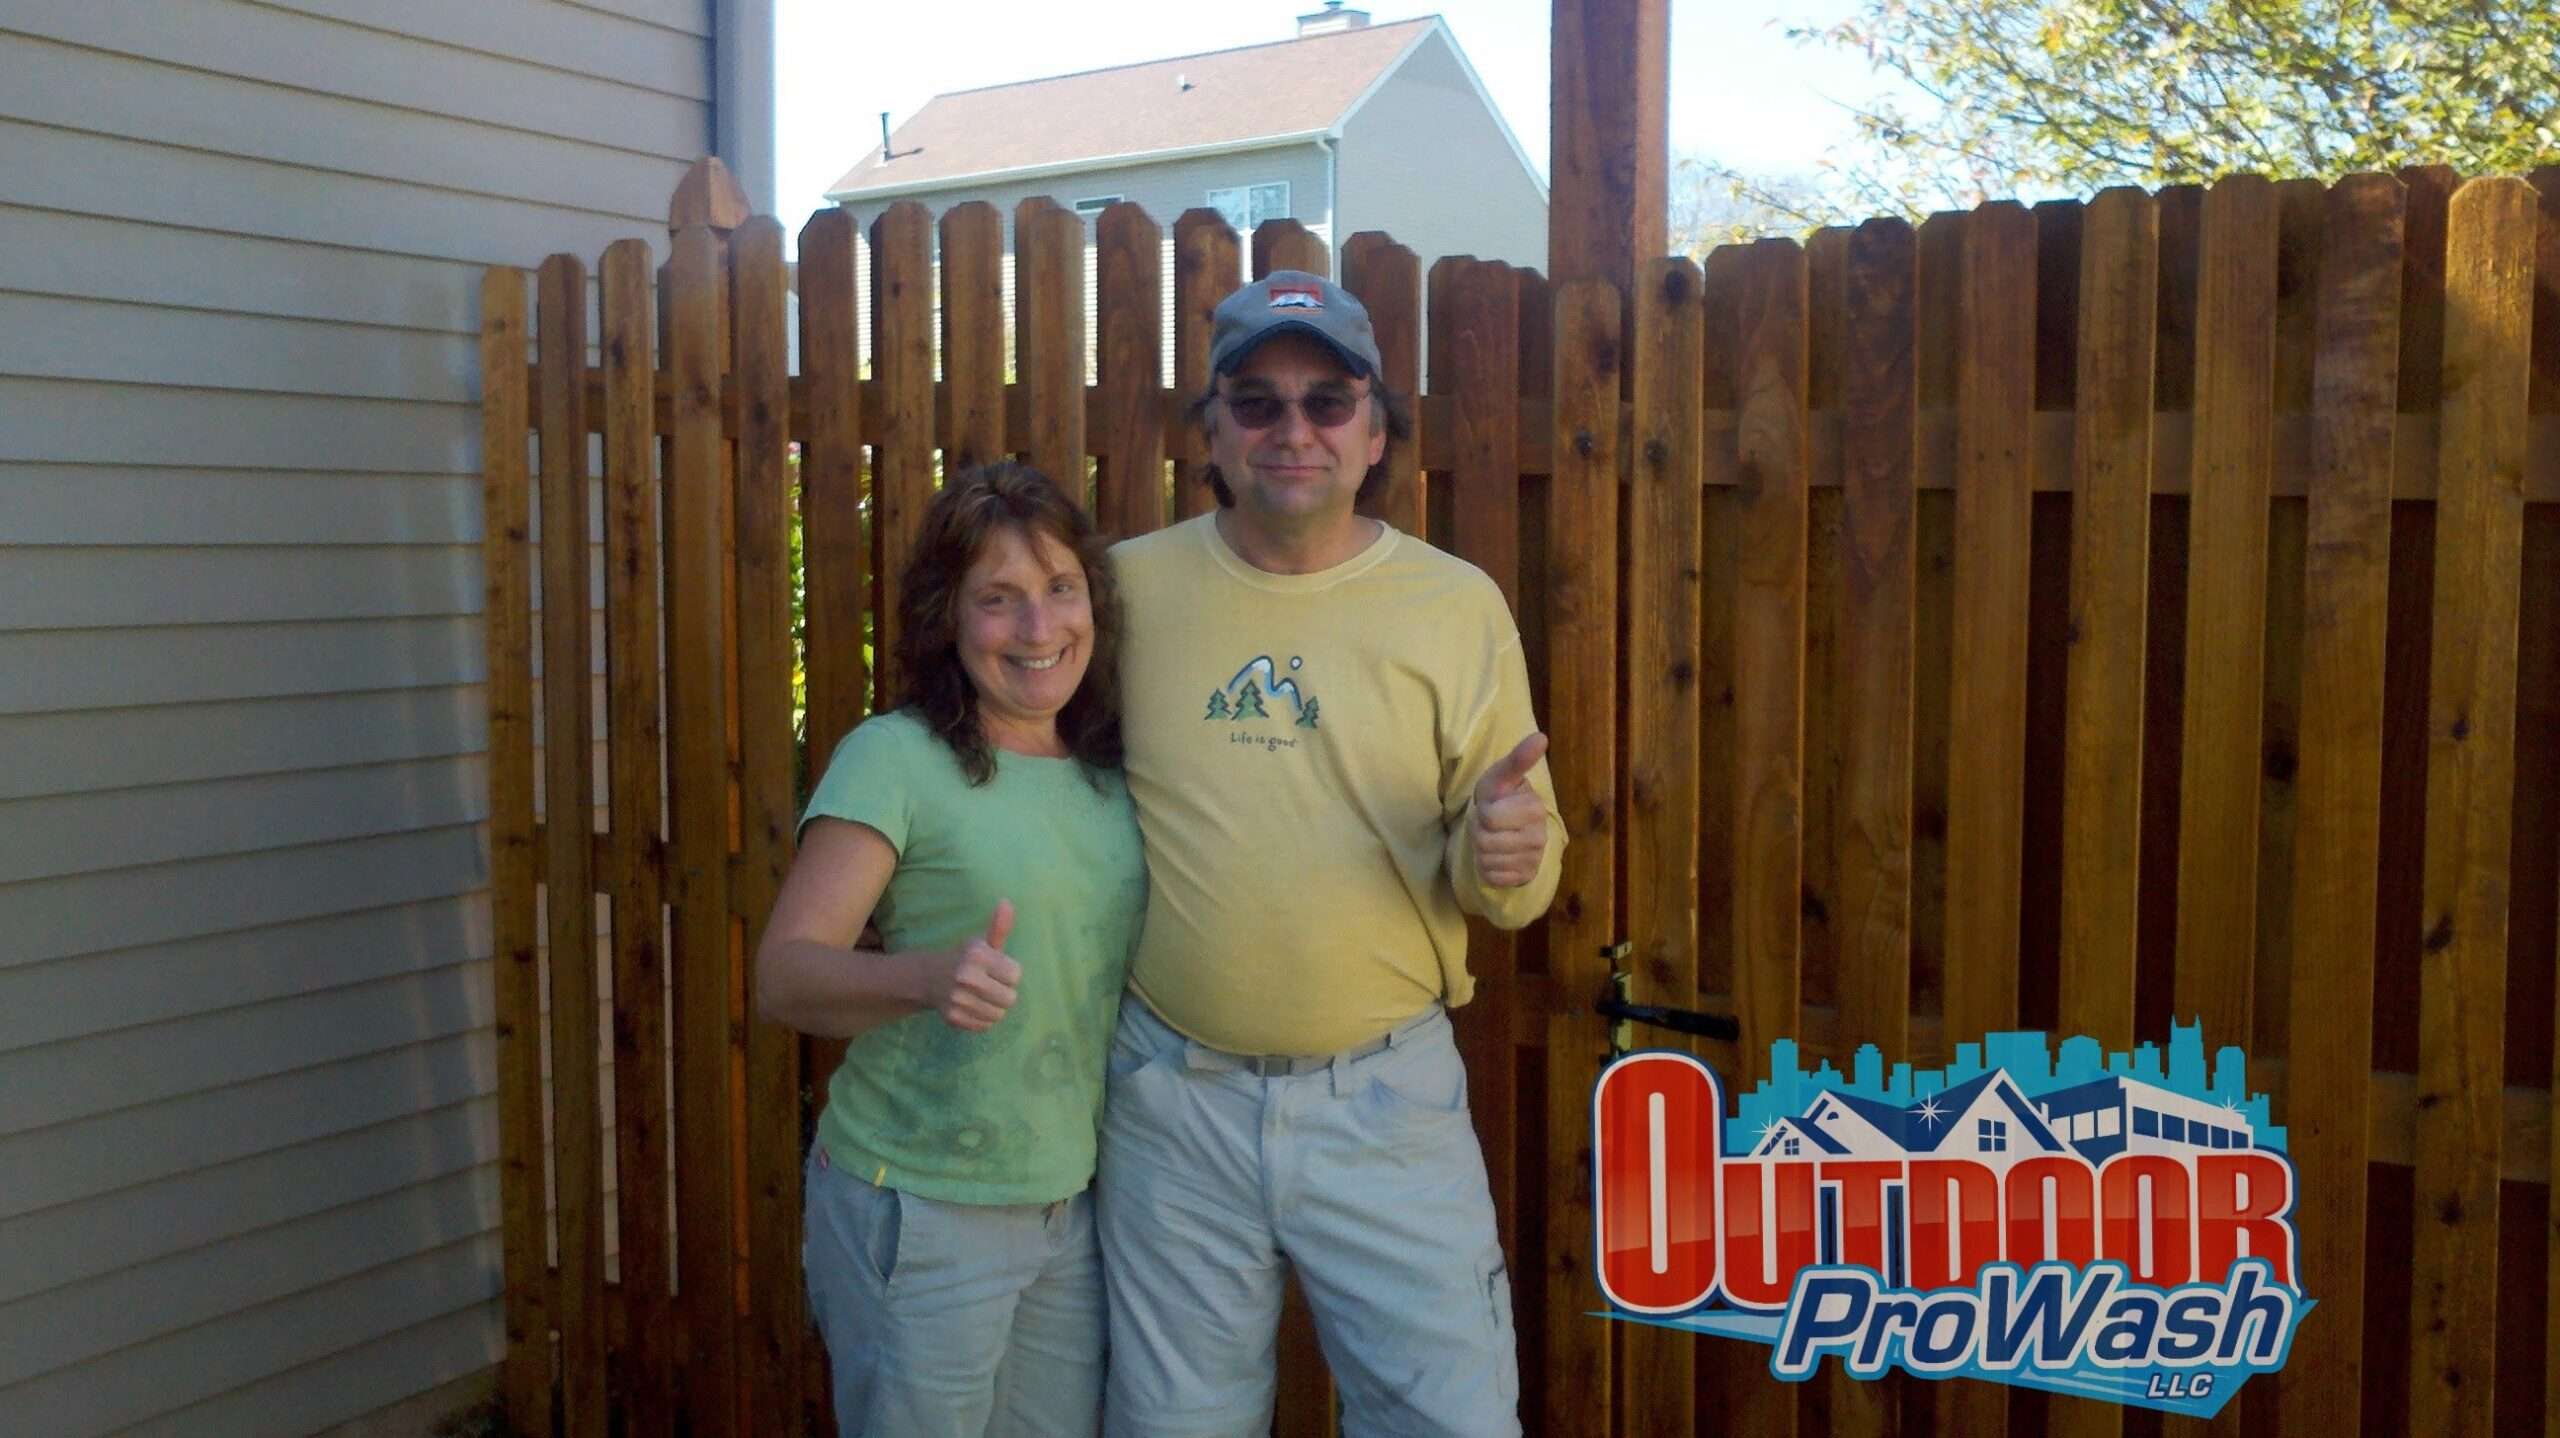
{"points": [[2066, 618]]}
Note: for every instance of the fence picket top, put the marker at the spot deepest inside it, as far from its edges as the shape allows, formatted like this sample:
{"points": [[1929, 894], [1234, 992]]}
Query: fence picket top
{"points": [[1940, 239], [2181, 211], [835, 552], [1387, 277], [1207, 267], [1995, 380], [2347, 574], [1537, 332], [2430, 193], [2221, 752], [1769, 737], [1874, 675], [1048, 301], [2488, 306], [2545, 398], [1128, 264], [626, 284], [2110, 539], [1288, 245], [901, 424], [2302, 207], [2059, 224], [1827, 338], [1478, 353], [1939, 242], [2300, 222], [973, 361]]}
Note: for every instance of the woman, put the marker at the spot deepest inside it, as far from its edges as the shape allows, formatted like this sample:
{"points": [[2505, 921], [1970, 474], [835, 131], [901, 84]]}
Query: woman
{"points": [[985, 829]]}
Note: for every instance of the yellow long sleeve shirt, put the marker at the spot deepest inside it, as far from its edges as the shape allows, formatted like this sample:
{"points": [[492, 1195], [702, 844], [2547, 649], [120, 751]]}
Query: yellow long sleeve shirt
{"points": [[1304, 750]]}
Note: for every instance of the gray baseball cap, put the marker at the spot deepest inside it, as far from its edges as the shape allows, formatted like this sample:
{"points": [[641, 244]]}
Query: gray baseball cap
{"points": [[1292, 302]]}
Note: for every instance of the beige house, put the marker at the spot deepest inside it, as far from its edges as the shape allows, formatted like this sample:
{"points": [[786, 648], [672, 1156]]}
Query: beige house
{"points": [[1349, 126], [247, 1120]]}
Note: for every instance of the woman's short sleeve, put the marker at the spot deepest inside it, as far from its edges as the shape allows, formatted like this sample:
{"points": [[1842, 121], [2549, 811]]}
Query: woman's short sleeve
{"points": [[870, 779]]}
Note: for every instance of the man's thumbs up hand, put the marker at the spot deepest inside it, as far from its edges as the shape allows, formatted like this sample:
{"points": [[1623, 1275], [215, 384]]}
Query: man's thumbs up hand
{"points": [[1507, 823], [973, 986]]}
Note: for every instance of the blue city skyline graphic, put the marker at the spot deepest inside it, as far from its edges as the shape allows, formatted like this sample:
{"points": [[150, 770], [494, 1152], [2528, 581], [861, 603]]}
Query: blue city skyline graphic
{"points": [[2032, 1064]]}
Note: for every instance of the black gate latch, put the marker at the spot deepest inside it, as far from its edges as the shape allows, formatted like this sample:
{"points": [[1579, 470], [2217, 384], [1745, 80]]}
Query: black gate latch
{"points": [[1624, 1015]]}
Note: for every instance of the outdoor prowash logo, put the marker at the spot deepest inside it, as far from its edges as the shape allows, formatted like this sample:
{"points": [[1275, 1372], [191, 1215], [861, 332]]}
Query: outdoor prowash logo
{"points": [[2084, 1223]]}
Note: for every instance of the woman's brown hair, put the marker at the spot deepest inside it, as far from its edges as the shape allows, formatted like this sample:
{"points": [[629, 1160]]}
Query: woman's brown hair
{"points": [[971, 508]]}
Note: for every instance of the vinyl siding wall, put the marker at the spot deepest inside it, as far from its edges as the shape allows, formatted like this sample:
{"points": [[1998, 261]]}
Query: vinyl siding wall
{"points": [[247, 1082], [1427, 162], [1164, 190]]}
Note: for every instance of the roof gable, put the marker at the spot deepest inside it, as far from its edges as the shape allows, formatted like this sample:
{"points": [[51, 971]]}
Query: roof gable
{"points": [[1222, 99], [1771, 1146], [1924, 1125]]}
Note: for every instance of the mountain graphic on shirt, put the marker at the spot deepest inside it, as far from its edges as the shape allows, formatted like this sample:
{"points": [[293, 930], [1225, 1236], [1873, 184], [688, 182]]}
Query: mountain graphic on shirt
{"points": [[1256, 688]]}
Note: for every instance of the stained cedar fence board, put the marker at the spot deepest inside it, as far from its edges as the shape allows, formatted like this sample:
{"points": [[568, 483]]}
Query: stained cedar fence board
{"points": [[1658, 782], [1962, 459]]}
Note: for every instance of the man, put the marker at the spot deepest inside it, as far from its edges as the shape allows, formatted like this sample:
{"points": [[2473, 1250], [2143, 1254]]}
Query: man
{"points": [[1331, 747]]}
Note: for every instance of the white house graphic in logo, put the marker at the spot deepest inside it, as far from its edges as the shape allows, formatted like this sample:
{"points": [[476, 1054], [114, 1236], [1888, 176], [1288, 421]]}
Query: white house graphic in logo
{"points": [[2080, 1107]]}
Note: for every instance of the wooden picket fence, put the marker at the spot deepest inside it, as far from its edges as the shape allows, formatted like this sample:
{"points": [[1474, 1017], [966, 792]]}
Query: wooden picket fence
{"points": [[2062, 617]]}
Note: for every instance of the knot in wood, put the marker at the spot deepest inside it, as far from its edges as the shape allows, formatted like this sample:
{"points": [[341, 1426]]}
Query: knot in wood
{"points": [[2281, 762], [1583, 443], [1656, 453]]}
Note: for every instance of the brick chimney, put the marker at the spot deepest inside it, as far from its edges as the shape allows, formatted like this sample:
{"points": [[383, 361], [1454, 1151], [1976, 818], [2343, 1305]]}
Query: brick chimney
{"points": [[1330, 19]]}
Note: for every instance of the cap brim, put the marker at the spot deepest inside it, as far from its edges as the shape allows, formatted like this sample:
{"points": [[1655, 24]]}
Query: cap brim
{"points": [[1360, 368]]}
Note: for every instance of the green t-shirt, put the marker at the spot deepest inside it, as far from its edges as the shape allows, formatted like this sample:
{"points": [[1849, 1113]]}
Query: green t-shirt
{"points": [[1008, 1115]]}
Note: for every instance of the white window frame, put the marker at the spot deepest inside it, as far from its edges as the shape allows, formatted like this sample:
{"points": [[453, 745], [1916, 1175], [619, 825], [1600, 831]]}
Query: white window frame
{"points": [[1238, 202]]}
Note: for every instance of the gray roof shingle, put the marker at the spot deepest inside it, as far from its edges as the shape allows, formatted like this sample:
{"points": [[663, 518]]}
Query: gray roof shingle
{"points": [[1190, 102]]}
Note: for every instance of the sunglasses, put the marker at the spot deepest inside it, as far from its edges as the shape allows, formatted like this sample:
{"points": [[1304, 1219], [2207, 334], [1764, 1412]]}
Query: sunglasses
{"points": [[1325, 408]]}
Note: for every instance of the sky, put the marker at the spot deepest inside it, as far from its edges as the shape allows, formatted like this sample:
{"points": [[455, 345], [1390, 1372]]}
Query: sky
{"points": [[1741, 92]]}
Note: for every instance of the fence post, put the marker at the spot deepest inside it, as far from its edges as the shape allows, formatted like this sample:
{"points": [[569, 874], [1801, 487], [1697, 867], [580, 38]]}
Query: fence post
{"points": [[1609, 87], [697, 518]]}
